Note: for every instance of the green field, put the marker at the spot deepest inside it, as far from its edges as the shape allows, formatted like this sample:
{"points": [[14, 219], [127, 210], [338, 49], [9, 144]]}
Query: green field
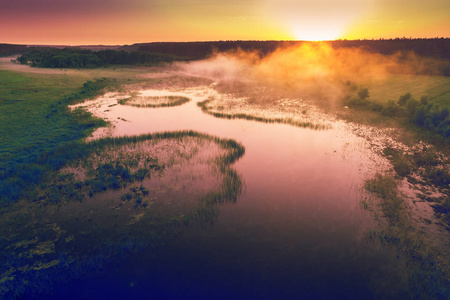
{"points": [[35, 119], [437, 88]]}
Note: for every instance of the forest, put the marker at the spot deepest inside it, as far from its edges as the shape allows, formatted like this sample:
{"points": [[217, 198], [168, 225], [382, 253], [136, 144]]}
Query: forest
{"points": [[46, 57]]}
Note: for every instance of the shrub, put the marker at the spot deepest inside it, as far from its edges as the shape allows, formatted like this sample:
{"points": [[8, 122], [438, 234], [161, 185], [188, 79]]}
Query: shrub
{"points": [[424, 100], [401, 167], [412, 106], [403, 99], [375, 107], [391, 109], [363, 93]]}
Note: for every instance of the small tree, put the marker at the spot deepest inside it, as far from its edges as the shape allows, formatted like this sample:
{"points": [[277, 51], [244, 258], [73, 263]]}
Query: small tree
{"points": [[403, 99], [424, 100], [363, 93]]}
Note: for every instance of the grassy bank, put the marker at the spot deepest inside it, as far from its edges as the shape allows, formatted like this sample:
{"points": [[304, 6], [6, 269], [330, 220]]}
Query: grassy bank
{"points": [[422, 115], [35, 120]]}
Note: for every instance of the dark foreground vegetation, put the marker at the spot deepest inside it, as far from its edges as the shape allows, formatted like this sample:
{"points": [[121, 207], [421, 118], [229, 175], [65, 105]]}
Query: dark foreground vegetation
{"points": [[85, 58], [426, 276], [58, 233]]}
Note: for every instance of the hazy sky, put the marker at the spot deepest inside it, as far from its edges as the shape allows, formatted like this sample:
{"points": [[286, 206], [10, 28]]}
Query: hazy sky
{"points": [[132, 21]]}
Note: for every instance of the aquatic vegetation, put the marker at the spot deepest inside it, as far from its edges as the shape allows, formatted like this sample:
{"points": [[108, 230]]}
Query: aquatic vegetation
{"points": [[155, 101], [205, 106], [116, 196], [426, 270], [425, 166]]}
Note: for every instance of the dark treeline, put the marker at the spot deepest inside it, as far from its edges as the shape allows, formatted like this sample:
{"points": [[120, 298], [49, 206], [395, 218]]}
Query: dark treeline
{"points": [[44, 57], [157, 52], [435, 48], [10, 49], [200, 50]]}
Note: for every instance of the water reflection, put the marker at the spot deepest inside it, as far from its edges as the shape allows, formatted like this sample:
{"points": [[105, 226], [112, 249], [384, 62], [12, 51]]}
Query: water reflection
{"points": [[296, 232]]}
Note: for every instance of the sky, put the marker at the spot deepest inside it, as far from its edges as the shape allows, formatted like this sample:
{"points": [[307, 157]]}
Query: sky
{"points": [[119, 22]]}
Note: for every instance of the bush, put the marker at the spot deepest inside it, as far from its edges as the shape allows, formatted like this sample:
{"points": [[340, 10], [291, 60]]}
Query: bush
{"points": [[391, 109], [424, 100], [403, 99], [401, 167], [412, 106], [375, 107], [357, 102], [363, 93]]}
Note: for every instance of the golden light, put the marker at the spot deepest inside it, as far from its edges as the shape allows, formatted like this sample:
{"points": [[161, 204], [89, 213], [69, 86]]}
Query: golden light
{"points": [[318, 20], [303, 33]]}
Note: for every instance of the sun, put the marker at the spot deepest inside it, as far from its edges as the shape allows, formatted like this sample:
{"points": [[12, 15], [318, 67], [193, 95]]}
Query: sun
{"points": [[316, 34]]}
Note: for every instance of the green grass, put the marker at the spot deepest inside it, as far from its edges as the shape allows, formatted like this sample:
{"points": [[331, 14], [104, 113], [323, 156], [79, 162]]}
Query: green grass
{"points": [[35, 120], [437, 88], [32, 114]]}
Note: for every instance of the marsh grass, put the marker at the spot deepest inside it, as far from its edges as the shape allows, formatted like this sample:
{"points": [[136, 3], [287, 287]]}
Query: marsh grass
{"points": [[205, 108], [36, 124], [426, 166], [74, 223], [154, 101], [427, 271]]}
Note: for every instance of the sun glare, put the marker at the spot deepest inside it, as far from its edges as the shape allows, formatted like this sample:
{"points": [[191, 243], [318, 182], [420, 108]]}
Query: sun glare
{"points": [[316, 34]]}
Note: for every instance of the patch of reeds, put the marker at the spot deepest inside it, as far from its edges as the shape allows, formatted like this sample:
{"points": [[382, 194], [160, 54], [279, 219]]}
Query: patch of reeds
{"points": [[204, 107], [161, 101], [431, 168]]}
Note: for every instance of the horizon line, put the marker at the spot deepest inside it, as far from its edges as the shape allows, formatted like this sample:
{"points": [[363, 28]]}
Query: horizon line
{"points": [[217, 41]]}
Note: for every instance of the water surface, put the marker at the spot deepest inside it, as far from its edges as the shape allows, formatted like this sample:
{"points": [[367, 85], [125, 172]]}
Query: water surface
{"points": [[296, 232]]}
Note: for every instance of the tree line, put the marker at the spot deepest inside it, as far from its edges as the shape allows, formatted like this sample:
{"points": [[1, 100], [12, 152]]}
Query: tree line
{"points": [[46, 57], [11, 49], [438, 48]]}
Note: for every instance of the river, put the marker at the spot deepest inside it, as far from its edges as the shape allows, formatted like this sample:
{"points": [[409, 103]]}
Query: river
{"points": [[297, 231]]}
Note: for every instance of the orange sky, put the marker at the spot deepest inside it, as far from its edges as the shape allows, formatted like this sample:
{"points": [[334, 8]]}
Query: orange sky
{"points": [[110, 22]]}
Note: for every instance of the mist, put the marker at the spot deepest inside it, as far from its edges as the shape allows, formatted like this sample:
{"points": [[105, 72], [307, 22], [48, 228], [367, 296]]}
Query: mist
{"points": [[313, 71]]}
